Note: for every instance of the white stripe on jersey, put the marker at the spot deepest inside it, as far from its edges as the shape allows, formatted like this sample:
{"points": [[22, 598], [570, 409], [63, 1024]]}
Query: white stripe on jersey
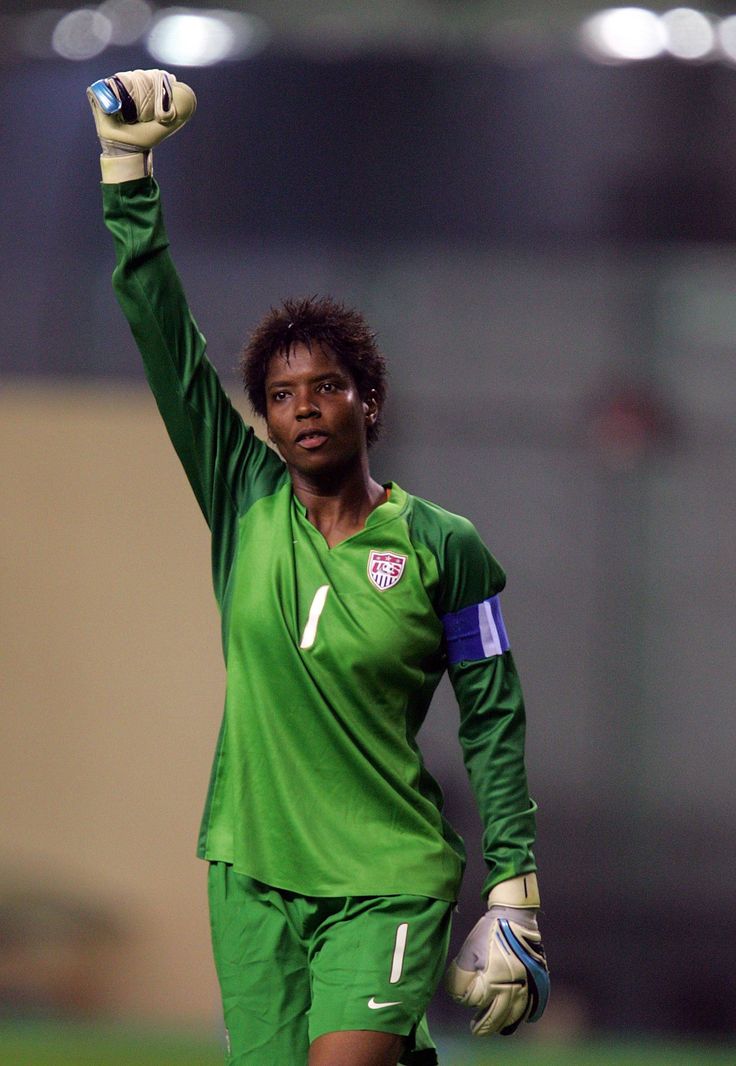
{"points": [[310, 630]]}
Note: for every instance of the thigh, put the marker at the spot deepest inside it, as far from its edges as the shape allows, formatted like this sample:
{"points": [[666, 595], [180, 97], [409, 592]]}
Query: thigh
{"points": [[376, 964], [262, 968], [359, 1048]]}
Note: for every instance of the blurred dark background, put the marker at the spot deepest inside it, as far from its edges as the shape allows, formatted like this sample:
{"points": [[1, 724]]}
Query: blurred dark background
{"points": [[542, 235]]}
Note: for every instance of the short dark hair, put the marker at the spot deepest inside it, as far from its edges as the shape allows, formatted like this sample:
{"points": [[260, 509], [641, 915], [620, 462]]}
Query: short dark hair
{"points": [[327, 322]]}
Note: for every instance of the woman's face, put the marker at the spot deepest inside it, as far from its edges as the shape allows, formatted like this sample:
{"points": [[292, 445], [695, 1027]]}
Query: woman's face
{"points": [[314, 413]]}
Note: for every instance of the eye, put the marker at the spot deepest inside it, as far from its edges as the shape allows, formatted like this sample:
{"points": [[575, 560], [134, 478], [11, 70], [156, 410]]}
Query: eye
{"points": [[276, 397], [329, 386]]}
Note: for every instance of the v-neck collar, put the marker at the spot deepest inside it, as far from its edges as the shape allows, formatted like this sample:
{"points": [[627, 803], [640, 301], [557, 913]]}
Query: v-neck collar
{"points": [[384, 512]]}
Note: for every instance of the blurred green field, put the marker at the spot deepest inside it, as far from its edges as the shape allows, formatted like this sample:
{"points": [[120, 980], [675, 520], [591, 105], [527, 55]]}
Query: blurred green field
{"points": [[66, 1045]]}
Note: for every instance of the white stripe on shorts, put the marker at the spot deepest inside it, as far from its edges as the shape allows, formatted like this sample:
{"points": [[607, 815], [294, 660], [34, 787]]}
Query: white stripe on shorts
{"points": [[397, 963]]}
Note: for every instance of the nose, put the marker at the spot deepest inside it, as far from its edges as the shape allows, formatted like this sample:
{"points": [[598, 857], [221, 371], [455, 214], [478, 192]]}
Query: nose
{"points": [[306, 405]]}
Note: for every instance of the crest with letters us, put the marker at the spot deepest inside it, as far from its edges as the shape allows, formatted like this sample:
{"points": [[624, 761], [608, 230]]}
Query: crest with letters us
{"points": [[385, 569]]}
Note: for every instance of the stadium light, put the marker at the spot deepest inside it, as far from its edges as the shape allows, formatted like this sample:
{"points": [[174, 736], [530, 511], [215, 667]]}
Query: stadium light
{"points": [[727, 37], [689, 33], [621, 34], [81, 34], [187, 38]]}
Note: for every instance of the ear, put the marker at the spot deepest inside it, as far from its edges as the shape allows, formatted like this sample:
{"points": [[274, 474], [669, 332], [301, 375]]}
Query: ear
{"points": [[370, 408]]}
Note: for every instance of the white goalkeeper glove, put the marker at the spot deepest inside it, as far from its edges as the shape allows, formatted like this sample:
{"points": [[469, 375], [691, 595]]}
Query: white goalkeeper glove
{"points": [[134, 111], [501, 969]]}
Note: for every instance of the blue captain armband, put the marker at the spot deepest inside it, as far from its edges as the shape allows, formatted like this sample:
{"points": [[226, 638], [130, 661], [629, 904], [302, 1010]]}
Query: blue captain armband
{"points": [[475, 632]]}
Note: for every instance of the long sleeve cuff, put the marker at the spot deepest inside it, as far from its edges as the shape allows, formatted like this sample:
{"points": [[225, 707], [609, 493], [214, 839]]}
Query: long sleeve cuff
{"points": [[127, 167]]}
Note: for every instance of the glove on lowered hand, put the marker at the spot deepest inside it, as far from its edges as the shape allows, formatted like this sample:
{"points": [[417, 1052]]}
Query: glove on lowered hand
{"points": [[501, 969], [134, 111]]}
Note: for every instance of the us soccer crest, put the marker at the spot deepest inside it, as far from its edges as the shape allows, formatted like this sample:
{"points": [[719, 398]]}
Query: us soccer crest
{"points": [[385, 569]]}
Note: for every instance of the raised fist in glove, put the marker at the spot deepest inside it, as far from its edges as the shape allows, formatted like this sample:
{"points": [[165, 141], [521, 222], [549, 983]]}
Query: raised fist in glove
{"points": [[134, 111], [501, 969]]}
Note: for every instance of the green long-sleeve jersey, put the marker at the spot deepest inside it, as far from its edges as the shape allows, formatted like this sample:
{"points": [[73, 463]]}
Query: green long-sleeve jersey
{"points": [[332, 654]]}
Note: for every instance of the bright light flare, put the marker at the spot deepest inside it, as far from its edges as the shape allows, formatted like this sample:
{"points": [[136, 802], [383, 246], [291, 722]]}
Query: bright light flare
{"points": [[689, 33], [727, 37], [190, 40], [81, 34], [193, 39], [619, 34]]}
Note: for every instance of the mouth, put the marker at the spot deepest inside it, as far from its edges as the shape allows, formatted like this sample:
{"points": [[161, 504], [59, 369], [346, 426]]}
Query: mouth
{"points": [[311, 438]]}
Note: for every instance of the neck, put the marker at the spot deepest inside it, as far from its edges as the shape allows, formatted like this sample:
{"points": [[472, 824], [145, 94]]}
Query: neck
{"points": [[339, 503]]}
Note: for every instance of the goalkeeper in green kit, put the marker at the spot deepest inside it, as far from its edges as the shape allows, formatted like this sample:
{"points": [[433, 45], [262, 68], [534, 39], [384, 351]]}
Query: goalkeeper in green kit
{"points": [[332, 872]]}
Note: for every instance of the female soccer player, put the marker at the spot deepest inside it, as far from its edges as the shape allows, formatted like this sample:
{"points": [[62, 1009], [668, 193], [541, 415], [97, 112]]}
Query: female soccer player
{"points": [[332, 873]]}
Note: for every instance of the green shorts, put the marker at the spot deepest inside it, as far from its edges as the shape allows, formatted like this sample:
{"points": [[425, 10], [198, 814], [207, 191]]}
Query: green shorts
{"points": [[294, 967]]}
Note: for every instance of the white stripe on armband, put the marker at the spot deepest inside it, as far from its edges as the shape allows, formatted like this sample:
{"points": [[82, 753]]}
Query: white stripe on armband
{"points": [[475, 632]]}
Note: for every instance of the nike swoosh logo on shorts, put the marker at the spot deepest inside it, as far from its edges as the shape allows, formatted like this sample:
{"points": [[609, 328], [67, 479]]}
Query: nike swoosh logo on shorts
{"points": [[379, 1006]]}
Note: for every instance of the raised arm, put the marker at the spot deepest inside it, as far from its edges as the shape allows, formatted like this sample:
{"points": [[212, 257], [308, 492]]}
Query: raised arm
{"points": [[227, 466]]}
